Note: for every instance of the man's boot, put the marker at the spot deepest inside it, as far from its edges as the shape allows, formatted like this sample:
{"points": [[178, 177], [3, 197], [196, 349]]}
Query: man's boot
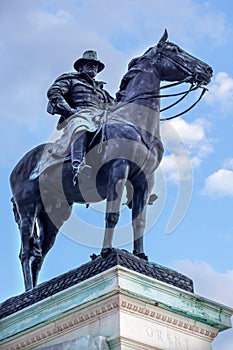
{"points": [[78, 153]]}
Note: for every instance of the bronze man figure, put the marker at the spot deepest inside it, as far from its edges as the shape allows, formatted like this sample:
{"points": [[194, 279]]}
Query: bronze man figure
{"points": [[70, 95]]}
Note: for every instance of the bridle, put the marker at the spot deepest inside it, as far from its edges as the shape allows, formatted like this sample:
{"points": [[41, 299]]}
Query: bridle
{"points": [[194, 86]]}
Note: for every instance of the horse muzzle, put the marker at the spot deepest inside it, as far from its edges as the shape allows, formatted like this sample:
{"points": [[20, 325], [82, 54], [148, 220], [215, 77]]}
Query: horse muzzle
{"points": [[203, 76]]}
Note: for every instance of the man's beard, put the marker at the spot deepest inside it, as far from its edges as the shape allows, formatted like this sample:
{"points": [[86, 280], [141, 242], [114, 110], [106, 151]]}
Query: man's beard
{"points": [[91, 73]]}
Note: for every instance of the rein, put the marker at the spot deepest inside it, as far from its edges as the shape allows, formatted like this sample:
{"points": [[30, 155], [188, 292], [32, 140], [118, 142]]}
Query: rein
{"points": [[183, 94], [186, 110]]}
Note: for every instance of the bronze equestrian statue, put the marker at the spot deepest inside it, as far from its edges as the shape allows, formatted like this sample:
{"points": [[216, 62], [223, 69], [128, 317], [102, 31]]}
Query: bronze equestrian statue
{"points": [[129, 136]]}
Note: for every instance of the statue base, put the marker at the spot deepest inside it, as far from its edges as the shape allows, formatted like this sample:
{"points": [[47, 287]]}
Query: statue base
{"points": [[119, 303]]}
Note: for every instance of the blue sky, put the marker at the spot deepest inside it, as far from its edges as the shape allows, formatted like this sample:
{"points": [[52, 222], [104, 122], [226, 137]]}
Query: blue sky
{"points": [[39, 41]]}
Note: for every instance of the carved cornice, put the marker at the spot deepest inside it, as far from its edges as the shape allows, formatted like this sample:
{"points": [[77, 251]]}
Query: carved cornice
{"points": [[63, 326], [166, 319], [74, 321]]}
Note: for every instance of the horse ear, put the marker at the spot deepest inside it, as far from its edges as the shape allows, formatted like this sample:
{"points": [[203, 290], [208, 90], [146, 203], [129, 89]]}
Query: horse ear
{"points": [[163, 39]]}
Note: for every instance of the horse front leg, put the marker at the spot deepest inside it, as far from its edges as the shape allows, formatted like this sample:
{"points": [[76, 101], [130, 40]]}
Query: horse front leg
{"points": [[117, 179], [139, 209], [139, 224]]}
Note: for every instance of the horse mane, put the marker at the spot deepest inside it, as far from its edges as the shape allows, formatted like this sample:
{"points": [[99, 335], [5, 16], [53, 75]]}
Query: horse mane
{"points": [[137, 60], [133, 68]]}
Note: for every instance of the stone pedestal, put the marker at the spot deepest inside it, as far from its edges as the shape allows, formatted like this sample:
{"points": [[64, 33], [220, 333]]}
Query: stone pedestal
{"points": [[118, 309]]}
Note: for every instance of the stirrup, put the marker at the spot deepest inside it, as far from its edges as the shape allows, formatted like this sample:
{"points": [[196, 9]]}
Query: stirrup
{"points": [[76, 170], [81, 171]]}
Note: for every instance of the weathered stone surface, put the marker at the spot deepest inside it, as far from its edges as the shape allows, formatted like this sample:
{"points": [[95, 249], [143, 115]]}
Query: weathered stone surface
{"points": [[84, 343]]}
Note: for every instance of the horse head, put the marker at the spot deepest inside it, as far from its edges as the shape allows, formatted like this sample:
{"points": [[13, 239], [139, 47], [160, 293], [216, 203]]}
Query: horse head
{"points": [[177, 64]]}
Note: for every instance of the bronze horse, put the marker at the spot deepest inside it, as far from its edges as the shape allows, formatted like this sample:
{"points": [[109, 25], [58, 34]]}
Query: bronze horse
{"points": [[131, 152]]}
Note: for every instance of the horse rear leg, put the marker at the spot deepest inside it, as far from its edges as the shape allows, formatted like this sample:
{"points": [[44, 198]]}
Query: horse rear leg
{"points": [[49, 226], [48, 232], [116, 182], [27, 217]]}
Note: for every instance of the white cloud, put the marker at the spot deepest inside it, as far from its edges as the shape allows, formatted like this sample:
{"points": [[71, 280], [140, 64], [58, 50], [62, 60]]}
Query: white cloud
{"points": [[187, 144], [229, 164], [43, 21], [190, 133], [221, 91], [219, 184], [208, 282], [177, 168]]}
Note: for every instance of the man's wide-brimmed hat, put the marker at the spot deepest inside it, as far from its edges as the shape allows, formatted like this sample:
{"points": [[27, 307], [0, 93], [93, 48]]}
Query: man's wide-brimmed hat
{"points": [[89, 55]]}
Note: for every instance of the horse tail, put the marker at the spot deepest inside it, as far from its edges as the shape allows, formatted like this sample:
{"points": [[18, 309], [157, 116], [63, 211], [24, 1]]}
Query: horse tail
{"points": [[15, 211]]}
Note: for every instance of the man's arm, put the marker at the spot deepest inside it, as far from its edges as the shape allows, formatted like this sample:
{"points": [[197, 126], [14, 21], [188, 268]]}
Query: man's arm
{"points": [[57, 102]]}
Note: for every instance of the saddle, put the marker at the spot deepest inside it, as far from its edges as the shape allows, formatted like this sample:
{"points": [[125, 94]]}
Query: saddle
{"points": [[50, 158]]}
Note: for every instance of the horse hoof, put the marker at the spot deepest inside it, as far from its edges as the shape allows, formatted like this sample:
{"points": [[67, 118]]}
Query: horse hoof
{"points": [[105, 252], [141, 255], [93, 256]]}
